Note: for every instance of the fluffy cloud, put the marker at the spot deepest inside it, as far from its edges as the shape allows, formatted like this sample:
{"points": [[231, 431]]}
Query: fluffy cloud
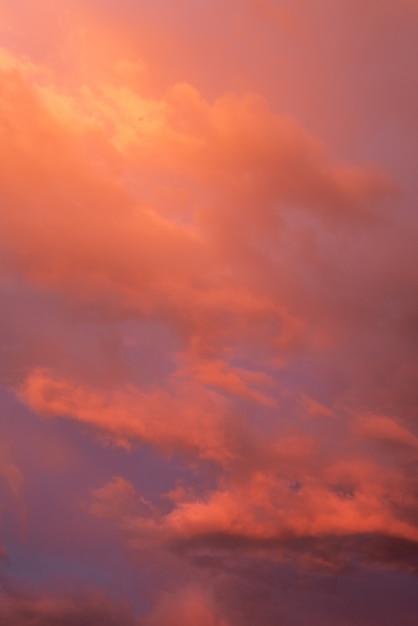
{"points": [[187, 268]]}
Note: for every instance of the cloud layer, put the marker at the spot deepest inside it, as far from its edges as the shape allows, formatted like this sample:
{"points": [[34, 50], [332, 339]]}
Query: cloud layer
{"points": [[200, 268]]}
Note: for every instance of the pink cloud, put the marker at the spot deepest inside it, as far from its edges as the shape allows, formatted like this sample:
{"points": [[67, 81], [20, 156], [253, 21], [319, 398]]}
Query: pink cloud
{"points": [[213, 255], [188, 607], [185, 418], [382, 428], [31, 608]]}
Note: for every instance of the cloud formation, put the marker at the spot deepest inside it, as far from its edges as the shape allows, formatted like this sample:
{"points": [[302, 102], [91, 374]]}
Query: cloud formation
{"points": [[31, 608], [207, 270]]}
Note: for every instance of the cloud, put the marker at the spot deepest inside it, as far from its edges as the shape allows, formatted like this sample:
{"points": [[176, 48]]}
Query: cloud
{"points": [[35, 608], [234, 381], [253, 160], [193, 269], [200, 263], [117, 499], [336, 513], [183, 418], [188, 607], [382, 428]]}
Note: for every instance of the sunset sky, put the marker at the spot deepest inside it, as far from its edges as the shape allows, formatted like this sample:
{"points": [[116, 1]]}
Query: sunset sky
{"points": [[208, 313]]}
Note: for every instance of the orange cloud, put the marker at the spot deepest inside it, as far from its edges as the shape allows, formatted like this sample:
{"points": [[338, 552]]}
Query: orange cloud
{"points": [[191, 606], [382, 428], [303, 504], [91, 221], [265, 265], [21, 607], [183, 418], [230, 380], [117, 498], [264, 511]]}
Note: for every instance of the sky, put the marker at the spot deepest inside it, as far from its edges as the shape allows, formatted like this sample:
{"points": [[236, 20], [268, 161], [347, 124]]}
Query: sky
{"points": [[208, 313]]}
